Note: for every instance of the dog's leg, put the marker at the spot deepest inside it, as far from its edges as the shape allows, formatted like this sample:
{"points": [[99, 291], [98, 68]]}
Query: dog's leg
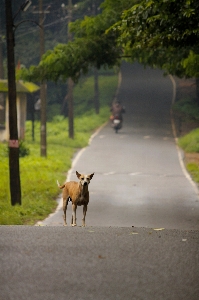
{"points": [[73, 221], [84, 215], [65, 203]]}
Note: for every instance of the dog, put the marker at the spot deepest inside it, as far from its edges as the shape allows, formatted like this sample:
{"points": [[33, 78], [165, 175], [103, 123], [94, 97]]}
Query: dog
{"points": [[78, 194]]}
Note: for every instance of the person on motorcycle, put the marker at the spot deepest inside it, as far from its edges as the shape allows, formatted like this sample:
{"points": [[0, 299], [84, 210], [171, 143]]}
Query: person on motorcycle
{"points": [[117, 110], [116, 118]]}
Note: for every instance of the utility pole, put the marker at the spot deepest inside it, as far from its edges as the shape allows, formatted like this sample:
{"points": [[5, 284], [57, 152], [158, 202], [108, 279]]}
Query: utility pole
{"points": [[2, 104], [1, 51], [13, 145], [70, 81], [43, 143], [96, 77]]}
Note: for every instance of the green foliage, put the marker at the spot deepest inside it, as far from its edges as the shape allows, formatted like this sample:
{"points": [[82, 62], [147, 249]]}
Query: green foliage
{"points": [[187, 108], [52, 111], [92, 47], [190, 142], [160, 23], [163, 34], [84, 92], [23, 149], [191, 65], [160, 33], [193, 169], [73, 59]]}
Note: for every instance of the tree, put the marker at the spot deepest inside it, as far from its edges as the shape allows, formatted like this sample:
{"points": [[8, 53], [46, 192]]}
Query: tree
{"points": [[91, 47], [159, 33], [162, 33], [167, 28]]}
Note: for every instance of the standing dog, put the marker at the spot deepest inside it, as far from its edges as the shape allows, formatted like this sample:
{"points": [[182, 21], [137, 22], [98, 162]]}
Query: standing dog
{"points": [[78, 193]]}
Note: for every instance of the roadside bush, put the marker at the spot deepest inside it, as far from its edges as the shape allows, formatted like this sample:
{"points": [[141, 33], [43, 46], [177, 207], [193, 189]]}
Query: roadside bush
{"points": [[23, 149], [187, 108]]}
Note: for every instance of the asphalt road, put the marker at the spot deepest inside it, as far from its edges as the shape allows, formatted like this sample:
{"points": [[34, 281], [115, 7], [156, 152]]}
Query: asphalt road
{"points": [[139, 180], [100, 263], [141, 241]]}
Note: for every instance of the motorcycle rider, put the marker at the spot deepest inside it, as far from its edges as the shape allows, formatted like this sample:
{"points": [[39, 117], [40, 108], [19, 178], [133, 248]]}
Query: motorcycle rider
{"points": [[117, 110]]}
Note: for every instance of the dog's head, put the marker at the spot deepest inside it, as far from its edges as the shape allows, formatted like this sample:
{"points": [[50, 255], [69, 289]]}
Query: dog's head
{"points": [[84, 179]]}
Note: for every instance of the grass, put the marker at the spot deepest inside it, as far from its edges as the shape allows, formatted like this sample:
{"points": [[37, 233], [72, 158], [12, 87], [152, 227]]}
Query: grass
{"points": [[193, 169], [39, 174], [190, 144]]}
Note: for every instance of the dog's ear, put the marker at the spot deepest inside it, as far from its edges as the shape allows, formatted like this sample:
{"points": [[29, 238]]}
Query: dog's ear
{"points": [[78, 175], [91, 175]]}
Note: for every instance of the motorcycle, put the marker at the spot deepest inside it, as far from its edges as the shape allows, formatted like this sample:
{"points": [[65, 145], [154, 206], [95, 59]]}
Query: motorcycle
{"points": [[116, 123]]}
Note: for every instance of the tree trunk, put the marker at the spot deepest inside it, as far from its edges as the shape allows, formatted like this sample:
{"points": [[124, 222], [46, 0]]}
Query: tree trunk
{"points": [[96, 85], [197, 90], [96, 92], [70, 108]]}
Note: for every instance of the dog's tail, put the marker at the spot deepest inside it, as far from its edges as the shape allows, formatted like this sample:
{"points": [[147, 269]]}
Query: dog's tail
{"points": [[60, 186]]}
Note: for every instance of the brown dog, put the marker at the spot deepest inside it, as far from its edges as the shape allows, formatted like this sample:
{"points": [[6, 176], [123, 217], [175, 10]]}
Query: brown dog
{"points": [[78, 193]]}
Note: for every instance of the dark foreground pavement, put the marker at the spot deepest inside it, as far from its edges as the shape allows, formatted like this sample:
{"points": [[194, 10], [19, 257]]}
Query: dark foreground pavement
{"points": [[47, 263]]}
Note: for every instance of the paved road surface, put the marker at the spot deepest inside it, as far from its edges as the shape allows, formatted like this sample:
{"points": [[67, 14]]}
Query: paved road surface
{"points": [[138, 182], [138, 177], [58, 263]]}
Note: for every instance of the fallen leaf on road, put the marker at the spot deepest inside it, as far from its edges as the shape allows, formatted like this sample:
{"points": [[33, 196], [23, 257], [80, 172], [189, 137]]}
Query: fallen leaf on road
{"points": [[158, 229], [134, 233], [101, 257]]}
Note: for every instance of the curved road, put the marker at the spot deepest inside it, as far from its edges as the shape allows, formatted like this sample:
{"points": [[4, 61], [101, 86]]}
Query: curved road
{"points": [[138, 182], [138, 179]]}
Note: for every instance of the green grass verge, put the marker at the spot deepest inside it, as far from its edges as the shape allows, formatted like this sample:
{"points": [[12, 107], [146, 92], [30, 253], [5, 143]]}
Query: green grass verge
{"points": [[190, 142], [193, 169], [39, 174]]}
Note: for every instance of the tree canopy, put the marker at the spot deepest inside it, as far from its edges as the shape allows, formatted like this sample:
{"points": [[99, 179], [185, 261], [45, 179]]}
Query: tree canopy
{"points": [[92, 46], [161, 33]]}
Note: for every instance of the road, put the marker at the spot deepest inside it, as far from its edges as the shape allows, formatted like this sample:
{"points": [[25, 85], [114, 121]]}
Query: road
{"points": [[139, 180], [141, 241]]}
